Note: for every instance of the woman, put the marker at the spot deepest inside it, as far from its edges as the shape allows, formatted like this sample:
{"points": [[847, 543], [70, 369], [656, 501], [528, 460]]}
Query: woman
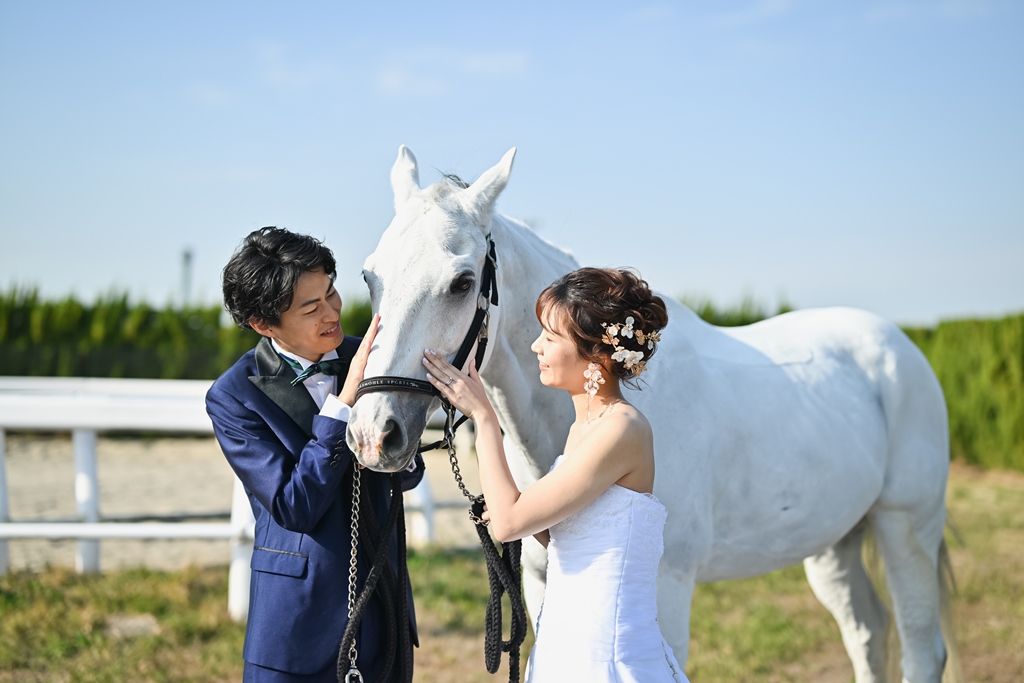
{"points": [[594, 510]]}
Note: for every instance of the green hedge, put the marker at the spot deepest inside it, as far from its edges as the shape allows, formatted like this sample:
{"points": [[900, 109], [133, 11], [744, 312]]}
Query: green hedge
{"points": [[116, 338], [980, 363]]}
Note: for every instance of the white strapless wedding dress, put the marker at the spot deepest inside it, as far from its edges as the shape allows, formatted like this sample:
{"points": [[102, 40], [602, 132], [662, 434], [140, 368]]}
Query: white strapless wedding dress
{"points": [[599, 621]]}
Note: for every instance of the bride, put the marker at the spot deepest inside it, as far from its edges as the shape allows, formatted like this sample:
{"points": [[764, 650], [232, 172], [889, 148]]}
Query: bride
{"points": [[594, 510]]}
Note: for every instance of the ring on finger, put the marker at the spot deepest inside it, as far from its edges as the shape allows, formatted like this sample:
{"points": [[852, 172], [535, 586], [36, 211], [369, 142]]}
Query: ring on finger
{"points": [[449, 382]]}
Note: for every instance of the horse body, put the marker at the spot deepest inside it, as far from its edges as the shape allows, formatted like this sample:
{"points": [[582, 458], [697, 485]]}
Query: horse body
{"points": [[782, 428], [775, 443]]}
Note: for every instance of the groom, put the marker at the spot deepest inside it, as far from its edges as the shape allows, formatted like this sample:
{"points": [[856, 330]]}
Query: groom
{"points": [[280, 416]]}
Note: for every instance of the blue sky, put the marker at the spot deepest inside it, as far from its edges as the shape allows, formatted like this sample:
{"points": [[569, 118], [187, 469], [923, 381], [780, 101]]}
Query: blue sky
{"points": [[828, 153]]}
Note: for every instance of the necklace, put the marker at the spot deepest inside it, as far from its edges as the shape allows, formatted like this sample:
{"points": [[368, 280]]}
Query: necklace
{"points": [[604, 410]]}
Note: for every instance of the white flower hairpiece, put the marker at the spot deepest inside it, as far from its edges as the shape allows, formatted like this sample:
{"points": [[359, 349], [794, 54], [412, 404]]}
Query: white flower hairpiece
{"points": [[633, 360]]}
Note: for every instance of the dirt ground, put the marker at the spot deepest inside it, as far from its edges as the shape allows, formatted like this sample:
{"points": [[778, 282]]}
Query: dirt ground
{"points": [[161, 477], [167, 476]]}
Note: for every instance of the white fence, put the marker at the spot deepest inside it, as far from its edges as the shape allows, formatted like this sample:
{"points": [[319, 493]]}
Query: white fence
{"points": [[85, 407]]}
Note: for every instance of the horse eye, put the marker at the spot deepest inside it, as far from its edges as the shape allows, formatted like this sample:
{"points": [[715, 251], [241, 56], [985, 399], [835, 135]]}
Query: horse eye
{"points": [[461, 284]]}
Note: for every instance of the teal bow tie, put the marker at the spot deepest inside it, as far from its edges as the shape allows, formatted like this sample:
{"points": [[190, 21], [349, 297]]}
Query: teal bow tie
{"points": [[327, 367]]}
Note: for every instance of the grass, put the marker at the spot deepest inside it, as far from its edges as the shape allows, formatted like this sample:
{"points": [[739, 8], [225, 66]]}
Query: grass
{"points": [[451, 587], [56, 625], [744, 630]]}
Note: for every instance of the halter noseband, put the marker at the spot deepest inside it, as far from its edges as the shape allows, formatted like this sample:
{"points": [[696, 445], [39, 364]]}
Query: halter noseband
{"points": [[477, 334]]}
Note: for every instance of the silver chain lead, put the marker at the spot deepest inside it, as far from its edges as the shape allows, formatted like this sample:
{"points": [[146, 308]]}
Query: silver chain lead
{"points": [[353, 672], [449, 443]]}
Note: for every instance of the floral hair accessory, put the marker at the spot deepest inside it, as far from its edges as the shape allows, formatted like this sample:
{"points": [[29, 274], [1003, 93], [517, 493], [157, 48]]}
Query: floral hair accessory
{"points": [[633, 360], [650, 339]]}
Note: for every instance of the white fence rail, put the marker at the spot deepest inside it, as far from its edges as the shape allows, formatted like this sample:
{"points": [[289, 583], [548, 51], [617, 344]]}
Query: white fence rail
{"points": [[86, 407]]}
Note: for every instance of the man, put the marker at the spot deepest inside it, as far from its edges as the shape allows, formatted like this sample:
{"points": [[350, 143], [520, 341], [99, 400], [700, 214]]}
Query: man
{"points": [[280, 415]]}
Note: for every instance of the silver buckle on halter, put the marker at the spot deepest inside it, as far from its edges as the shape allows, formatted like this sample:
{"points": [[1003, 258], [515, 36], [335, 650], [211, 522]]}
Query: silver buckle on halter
{"points": [[353, 676]]}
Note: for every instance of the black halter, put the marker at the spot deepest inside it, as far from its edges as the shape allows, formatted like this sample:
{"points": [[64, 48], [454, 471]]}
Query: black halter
{"points": [[477, 334], [503, 569]]}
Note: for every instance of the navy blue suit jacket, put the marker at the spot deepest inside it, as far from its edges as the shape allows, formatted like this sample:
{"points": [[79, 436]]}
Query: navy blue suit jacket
{"points": [[297, 472]]}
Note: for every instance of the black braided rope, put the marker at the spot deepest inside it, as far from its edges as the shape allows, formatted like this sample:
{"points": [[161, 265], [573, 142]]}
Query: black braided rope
{"points": [[382, 581], [504, 574]]}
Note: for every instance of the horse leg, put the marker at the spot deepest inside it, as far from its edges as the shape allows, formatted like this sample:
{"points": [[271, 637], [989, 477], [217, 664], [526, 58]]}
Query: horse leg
{"points": [[910, 550], [675, 595], [840, 582]]}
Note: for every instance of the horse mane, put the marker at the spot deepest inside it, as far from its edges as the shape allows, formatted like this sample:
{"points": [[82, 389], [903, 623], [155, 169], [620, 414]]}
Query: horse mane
{"points": [[453, 179], [441, 193]]}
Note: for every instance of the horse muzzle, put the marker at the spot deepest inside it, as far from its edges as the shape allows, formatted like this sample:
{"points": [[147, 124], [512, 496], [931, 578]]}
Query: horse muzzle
{"points": [[384, 430]]}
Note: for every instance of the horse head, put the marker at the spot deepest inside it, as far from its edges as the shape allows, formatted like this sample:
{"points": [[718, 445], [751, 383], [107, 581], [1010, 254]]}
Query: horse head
{"points": [[424, 279]]}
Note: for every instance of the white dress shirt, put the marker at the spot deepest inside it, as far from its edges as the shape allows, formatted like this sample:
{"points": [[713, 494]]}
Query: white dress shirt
{"points": [[323, 389]]}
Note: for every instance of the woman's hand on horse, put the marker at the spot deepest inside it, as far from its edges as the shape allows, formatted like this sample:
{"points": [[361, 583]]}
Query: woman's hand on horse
{"points": [[464, 391], [347, 395]]}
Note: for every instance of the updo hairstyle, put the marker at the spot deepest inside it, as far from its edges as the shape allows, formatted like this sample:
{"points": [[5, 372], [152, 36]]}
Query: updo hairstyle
{"points": [[579, 302]]}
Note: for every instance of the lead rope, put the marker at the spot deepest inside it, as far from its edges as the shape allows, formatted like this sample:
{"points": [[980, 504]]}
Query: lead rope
{"points": [[504, 572], [347, 671], [353, 675]]}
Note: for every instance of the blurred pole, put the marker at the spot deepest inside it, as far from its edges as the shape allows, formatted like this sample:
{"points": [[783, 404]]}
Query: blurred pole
{"points": [[419, 506], [243, 524], [4, 511], [87, 496], [186, 277]]}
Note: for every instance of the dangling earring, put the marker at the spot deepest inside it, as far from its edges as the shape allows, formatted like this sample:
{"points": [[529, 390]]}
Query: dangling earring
{"points": [[593, 376]]}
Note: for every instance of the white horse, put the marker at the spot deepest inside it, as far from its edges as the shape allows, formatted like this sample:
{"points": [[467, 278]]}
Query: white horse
{"points": [[778, 442]]}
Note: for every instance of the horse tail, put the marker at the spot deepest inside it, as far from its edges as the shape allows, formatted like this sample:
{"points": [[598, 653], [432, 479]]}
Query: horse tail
{"points": [[953, 673], [874, 565]]}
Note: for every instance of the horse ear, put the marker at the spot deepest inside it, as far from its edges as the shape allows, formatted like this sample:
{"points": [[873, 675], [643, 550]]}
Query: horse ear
{"points": [[405, 177], [482, 194]]}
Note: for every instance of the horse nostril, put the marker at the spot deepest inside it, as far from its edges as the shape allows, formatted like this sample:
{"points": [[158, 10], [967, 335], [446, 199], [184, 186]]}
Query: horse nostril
{"points": [[392, 437]]}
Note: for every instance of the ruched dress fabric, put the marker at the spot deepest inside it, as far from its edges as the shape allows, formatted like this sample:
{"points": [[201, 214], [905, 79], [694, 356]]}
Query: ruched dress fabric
{"points": [[599, 619]]}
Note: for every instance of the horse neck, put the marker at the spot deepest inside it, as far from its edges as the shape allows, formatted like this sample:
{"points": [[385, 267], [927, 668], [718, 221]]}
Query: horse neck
{"points": [[527, 258], [535, 418]]}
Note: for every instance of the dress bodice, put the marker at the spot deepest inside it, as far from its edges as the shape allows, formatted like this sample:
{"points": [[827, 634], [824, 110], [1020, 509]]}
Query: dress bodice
{"points": [[600, 604]]}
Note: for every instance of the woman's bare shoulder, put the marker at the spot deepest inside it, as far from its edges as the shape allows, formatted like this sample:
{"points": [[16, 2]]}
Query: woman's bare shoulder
{"points": [[624, 426]]}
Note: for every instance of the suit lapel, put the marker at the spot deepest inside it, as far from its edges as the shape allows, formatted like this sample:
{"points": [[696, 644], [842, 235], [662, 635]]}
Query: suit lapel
{"points": [[274, 379]]}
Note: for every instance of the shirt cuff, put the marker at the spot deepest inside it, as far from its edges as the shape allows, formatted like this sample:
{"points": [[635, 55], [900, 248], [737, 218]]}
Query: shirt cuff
{"points": [[334, 407]]}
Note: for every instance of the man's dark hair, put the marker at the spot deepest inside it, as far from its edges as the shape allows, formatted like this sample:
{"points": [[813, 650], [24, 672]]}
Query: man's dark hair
{"points": [[259, 280]]}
